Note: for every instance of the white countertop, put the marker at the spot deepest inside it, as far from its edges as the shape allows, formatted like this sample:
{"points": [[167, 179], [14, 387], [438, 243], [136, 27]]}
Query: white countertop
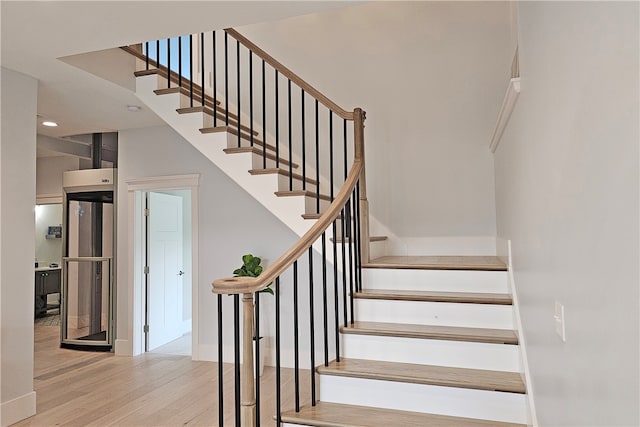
{"points": [[47, 268]]}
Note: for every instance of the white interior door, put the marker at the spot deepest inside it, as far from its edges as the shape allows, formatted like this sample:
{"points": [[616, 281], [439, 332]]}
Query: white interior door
{"points": [[165, 269]]}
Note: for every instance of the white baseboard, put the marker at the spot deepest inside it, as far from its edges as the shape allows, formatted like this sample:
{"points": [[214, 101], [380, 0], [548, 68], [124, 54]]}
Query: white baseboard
{"points": [[123, 348], [533, 419], [18, 409]]}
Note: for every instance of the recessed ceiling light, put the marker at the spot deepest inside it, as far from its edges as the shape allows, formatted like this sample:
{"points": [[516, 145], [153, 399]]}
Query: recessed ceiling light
{"points": [[49, 123], [134, 108]]}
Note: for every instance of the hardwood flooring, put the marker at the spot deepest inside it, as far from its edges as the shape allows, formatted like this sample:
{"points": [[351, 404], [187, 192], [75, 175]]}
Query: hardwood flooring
{"points": [[76, 388]]}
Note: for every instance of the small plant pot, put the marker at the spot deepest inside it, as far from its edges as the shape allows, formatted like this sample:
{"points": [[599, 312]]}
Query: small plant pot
{"points": [[261, 364]]}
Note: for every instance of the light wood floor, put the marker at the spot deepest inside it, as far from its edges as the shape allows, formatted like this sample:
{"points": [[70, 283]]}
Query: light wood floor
{"points": [[76, 388]]}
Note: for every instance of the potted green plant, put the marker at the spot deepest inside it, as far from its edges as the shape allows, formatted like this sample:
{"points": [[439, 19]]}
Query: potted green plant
{"points": [[251, 268]]}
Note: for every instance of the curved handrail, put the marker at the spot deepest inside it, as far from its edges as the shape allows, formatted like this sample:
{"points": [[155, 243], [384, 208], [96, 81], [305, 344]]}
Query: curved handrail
{"points": [[242, 285], [348, 115]]}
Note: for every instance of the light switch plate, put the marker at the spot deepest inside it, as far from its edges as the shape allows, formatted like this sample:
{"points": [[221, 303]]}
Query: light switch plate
{"points": [[558, 317]]}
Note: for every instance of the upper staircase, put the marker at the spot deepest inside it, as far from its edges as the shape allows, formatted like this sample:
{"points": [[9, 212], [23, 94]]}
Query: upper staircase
{"points": [[391, 341]]}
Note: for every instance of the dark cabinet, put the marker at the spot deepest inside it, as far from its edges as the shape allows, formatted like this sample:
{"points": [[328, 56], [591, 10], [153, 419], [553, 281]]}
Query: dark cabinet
{"points": [[46, 282]]}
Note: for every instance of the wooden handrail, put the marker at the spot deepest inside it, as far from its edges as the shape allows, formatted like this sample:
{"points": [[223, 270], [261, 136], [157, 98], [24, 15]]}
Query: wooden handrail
{"points": [[348, 115], [242, 285]]}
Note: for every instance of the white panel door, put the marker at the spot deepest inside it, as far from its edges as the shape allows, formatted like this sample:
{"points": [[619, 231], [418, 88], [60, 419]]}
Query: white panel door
{"points": [[165, 269]]}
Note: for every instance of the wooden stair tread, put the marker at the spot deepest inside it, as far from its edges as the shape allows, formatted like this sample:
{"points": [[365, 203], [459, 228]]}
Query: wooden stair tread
{"points": [[175, 79], [488, 263], [305, 193], [256, 141], [219, 114], [433, 296], [255, 150], [279, 171], [149, 72], [477, 379], [448, 333], [338, 415], [311, 215], [371, 239]]}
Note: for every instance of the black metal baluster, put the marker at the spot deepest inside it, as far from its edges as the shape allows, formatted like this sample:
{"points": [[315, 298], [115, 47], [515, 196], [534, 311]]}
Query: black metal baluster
{"points": [[264, 120], [168, 63], [146, 48], [158, 54], [191, 70], [358, 240], [331, 157], [349, 236], [202, 69], [312, 332], [180, 61], [226, 79], [236, 350], [277, 126], [336, 296], [344, 267], [317, 162], [290, 142], [343, 217], [251, 95], [324, 300], [238, 85], [213, 78], [304, 156], [256, 341], [220, 366], [278, 379], [296, 355]]}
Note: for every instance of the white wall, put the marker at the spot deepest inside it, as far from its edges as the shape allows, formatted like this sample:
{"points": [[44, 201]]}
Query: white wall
{"points": [[49, 173], [431, 76], [18, 184], [231, 224], [567, 197]]}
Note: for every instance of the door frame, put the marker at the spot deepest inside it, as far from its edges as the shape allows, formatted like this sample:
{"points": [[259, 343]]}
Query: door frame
{"points": [[136, 249]]}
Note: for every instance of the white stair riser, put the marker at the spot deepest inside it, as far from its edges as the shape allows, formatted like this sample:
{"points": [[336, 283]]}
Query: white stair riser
{"points": [[283, 183], [435, 280], [453, 401], [434, 313], [458, 354], [311, 206]]}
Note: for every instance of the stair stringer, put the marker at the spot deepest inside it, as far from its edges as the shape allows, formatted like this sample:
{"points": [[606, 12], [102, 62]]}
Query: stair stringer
{"points": [[236, 166]]}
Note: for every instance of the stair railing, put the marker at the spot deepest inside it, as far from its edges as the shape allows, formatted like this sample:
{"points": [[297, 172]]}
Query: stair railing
{"points": [[247, 101]]}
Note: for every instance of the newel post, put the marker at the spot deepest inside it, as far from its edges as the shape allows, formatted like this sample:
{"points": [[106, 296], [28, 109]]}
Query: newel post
{"points": [[359, 117], [247, 388]]}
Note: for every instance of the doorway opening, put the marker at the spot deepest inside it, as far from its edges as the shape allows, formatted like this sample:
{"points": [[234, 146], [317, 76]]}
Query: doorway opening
{"points": [[163, 268], [168, 285]]}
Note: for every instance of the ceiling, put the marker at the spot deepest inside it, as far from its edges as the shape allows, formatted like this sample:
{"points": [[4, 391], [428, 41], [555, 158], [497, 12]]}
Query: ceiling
{"points": [[43, 39]]}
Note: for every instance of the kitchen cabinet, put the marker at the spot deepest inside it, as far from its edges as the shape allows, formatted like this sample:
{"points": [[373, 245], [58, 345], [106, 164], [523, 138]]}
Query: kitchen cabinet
{"points": [[47, 281]]}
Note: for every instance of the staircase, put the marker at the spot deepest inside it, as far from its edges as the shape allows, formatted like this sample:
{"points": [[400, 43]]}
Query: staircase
{"points": [[433, 344], [431, 341]]}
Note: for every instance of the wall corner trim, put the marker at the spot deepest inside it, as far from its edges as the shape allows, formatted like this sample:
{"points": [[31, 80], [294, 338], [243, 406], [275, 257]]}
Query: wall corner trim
{"points": [[508, 104], [18, 409]]}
